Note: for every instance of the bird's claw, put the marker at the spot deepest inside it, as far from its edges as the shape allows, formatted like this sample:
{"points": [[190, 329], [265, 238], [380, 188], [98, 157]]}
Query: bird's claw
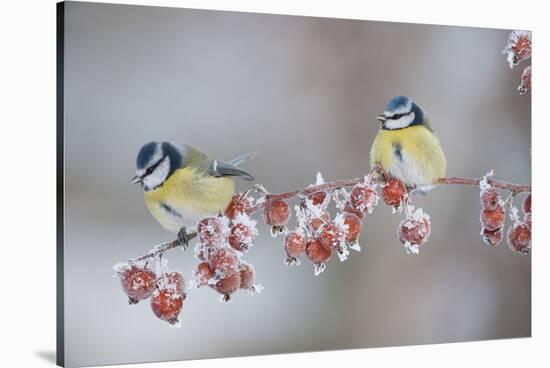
{"points": [[183, 237]]}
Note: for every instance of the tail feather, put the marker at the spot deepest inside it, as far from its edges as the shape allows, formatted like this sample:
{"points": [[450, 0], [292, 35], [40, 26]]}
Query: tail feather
{"points": [[239, 160]]}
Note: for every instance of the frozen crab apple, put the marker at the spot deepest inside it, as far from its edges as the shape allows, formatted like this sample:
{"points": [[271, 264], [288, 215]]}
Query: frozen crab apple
{"points": [[167, 305], [415, 231], [241, 237], [494, 237], [316, 222], [525, 84], [394, 192], [228, 285], [138, 283], [247, 276], [295, 246], [224, 262], [203, 274], [172, 280], [348, 208], [490, 199], [492, 219], [527, 204], [354, 226], [363, 198], [239, 205], [211, 231], [317, 198], [277, 213], [332, 235], [519, 238], [316, 253], [518, 47]]}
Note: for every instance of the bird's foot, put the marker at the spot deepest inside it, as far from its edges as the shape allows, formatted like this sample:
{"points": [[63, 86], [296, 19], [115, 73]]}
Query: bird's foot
{"points": [[184, 237]]}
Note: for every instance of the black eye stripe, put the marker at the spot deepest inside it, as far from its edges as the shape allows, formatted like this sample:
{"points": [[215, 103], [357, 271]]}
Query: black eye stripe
{"points": [[150, 169], [397, 116]]}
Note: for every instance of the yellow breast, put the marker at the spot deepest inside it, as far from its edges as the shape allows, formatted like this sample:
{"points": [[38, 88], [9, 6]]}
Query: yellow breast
{"points": [[188, 196], [412, 154]]}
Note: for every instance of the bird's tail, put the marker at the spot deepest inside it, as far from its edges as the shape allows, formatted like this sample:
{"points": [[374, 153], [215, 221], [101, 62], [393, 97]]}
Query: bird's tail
{"points": [[239, 160]]}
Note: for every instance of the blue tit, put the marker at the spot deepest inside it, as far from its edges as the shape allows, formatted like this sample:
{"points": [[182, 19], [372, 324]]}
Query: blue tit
{"points": [[183, 185], [406, 145]]}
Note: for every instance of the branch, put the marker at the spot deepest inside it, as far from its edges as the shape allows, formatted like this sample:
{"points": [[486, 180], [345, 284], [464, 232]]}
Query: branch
{"points": [[332, 186], [514, 188]]}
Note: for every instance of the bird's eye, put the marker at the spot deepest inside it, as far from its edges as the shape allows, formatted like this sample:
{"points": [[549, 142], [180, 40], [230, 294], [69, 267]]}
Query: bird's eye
{"points": [[397, 116]]}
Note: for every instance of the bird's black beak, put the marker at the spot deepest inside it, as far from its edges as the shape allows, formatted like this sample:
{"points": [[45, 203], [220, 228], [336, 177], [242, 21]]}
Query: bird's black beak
{"points": [[382, 118], [137, 180]]}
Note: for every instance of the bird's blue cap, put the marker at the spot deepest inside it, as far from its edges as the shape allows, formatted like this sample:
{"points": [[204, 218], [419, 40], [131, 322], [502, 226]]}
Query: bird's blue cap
{"points": [[145, 154], [399, 104]]}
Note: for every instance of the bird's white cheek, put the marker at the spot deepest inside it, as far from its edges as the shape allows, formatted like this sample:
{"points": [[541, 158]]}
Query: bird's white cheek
{"points": [[158, 176], [402, 122]]}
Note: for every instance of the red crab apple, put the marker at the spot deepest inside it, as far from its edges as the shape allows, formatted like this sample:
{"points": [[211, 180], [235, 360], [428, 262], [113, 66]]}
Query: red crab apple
{"points": [[354, 226], [494, 237], [393, 192], [519, 238], [241, 237], [492, 219], [295, 244], [238, 204], [138, 283], [363, 198], [203, 273], [490, 199], [167, 305], [224, 262], [247, 276], [332, 235], [527, 204], [211, 231], [316, 253], [316, 222], [228, 285], [277, 213], [414, 231], [317, 198]]}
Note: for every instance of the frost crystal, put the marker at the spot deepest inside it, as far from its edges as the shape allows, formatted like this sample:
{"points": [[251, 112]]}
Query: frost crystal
{"points": [[318, 268], [290, 261], [484, 182], [355, 246], [256, 289], [119, 269], [319, 180], [175, 324], [411, 248], [514, 213], [343, 252], [160, 265], [244, 219]]}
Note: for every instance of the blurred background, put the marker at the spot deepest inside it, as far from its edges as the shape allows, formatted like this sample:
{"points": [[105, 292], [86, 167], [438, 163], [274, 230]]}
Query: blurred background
{"points": [[304, 92]]}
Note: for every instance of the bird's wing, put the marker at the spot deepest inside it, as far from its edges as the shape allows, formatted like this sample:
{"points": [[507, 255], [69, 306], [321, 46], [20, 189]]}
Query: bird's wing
{"points": [[214, 167], [219, 168], [194, 157]]}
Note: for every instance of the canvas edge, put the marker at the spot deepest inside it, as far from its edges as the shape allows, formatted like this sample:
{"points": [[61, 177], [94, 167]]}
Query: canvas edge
{"points": [[60, 296]]}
